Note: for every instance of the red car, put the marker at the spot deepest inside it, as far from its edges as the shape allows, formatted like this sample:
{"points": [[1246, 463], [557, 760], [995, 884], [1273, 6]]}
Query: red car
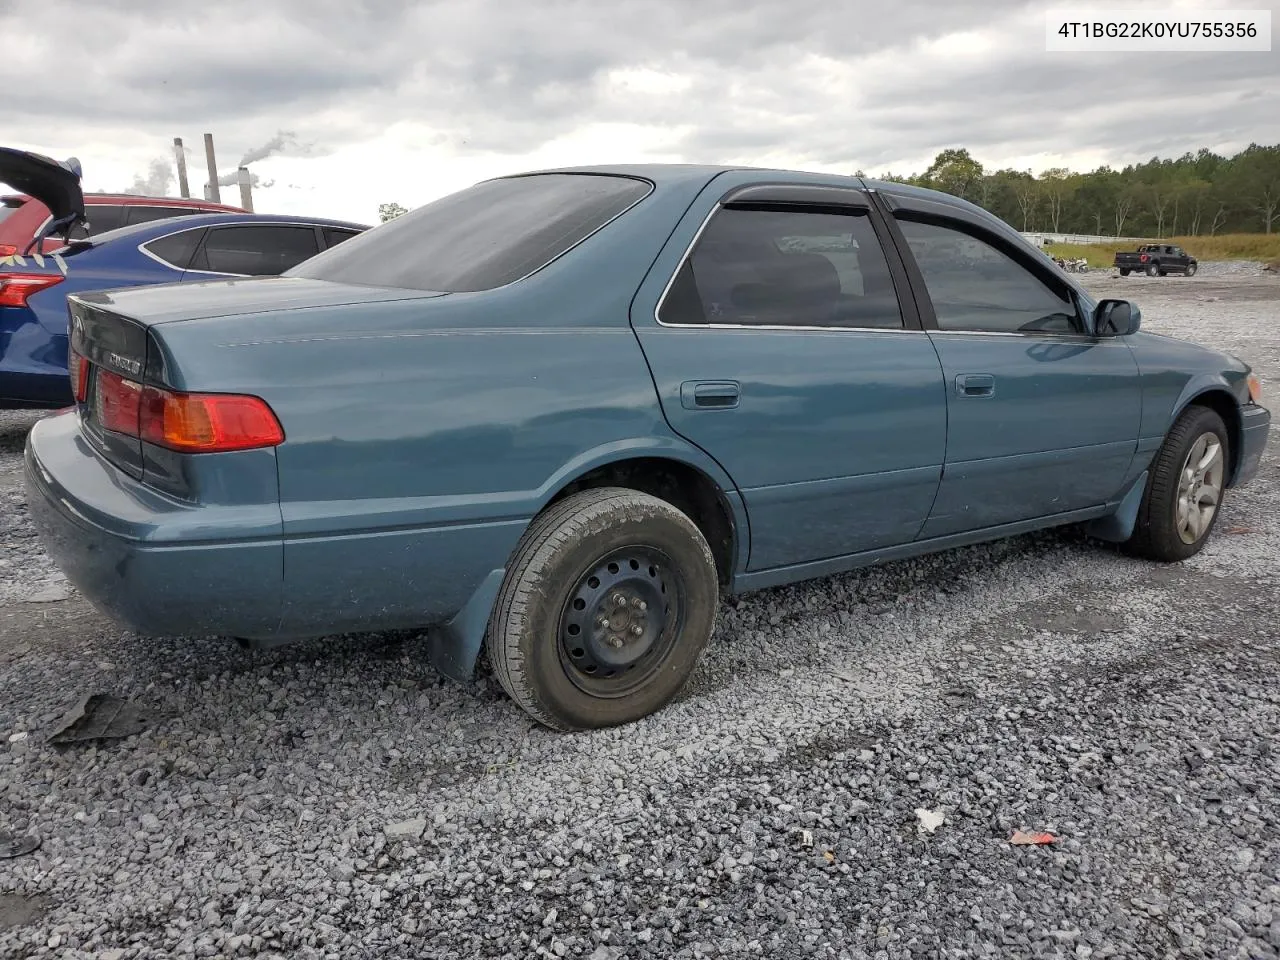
{"points": [[22, 216]]}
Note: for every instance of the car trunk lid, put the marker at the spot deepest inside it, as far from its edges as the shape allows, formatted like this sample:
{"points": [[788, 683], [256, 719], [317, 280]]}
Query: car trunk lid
{"points": [[54, 183], [175, 302], [116, 346]]}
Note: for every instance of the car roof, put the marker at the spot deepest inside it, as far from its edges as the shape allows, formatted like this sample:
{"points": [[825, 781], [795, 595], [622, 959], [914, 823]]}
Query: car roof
{"points": [[137, 200], [673, 173], [153, 229]]}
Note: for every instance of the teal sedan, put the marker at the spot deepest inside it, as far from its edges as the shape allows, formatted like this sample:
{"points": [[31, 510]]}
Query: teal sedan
{"points": [[560, 415]]}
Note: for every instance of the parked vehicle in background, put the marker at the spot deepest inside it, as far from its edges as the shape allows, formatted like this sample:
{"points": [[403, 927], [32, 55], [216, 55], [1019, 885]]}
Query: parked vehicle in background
{"points": [[33, 297], [560, 414], [23, 216], [1156, 260]]}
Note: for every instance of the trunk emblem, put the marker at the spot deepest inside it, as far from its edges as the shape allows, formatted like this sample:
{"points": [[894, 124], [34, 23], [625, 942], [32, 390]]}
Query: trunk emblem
{"points": [[124, 363]]}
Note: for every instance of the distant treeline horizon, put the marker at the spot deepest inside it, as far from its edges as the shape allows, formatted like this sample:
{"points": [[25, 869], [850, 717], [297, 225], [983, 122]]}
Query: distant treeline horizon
{"points": [[1201, 193]]}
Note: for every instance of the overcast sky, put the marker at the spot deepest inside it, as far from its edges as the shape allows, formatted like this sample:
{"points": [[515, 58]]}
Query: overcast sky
{"points": [[365, 101]]}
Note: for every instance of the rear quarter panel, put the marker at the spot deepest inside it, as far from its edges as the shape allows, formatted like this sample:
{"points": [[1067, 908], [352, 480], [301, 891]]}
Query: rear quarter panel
{"points": [[422, 435]]}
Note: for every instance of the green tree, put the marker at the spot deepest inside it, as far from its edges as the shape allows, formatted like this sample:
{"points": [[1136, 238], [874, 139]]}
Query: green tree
{"points": [[389, 211], [954, 171], [1254, 181]]}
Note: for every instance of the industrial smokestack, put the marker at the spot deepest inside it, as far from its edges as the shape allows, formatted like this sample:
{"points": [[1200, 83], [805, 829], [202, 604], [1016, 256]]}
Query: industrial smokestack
{"points": [[246, 188], [214, 193], [180, 158]]}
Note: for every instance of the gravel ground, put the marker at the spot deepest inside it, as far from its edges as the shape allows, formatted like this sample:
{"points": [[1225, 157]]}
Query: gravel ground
{"points": [[337, 799]]}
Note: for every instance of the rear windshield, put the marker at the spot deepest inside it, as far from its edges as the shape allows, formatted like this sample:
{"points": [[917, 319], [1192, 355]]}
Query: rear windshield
{"points": [[486, 236]]}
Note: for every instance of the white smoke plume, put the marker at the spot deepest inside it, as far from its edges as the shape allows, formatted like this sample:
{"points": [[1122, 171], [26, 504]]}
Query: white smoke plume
{"points": [[284, 142], [160, 177]]}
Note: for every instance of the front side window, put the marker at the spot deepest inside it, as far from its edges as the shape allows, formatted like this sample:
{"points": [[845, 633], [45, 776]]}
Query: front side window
{"points": [[782, 267], [256, 250], [976, 287], [484, 237]]}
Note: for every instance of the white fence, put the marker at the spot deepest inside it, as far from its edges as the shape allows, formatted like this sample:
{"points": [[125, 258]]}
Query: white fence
{"points": [[1040, 239]]}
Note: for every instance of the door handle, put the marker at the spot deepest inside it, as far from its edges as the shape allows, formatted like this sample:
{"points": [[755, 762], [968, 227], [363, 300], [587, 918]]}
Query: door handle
{"points": [[976, 385], [709, 394]]}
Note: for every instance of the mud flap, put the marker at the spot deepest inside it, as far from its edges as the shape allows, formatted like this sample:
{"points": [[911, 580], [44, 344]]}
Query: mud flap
{"points": [[454, 647], [1118, 527]]}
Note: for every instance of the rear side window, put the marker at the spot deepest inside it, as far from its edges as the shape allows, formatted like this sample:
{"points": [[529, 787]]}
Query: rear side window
{"points": [[486, 236], [335, 235], [780, 267], [256, 250], [175, 249], [147, 213], [102, 217]]}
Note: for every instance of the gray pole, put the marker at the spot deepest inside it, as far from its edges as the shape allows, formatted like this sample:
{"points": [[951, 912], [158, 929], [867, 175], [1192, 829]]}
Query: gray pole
{"points": [[180, 158], [214, 193], [246, 189]]}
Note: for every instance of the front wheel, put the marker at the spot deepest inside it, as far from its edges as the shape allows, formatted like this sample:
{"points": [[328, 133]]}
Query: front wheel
{"points": [[1184, 489], [1191, 270], [608, 603], [1124, 272]]}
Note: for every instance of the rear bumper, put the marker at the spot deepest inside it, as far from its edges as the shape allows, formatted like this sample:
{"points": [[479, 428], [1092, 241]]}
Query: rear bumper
{"points": [[1255, 426], [157, 565]]}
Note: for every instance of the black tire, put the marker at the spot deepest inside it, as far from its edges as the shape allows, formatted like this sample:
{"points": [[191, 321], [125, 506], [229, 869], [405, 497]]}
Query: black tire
{"points": [[1124, 271], [1156, 535], [1191, 270], [566, 674], [1153, 270]]}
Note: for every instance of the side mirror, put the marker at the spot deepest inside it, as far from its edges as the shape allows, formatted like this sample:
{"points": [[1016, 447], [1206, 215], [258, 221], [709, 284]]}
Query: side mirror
{"points": [[1116, 318]]}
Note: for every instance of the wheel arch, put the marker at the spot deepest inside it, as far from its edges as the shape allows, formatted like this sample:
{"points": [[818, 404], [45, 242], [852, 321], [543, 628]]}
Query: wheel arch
{"points": [[682, 476], [1217, 397]]}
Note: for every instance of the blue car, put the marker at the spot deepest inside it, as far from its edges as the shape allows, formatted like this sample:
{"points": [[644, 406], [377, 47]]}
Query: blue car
{"points": [[560, 415], [34, 290]]}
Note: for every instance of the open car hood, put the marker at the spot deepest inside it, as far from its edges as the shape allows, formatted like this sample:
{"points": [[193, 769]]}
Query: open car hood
{"points": [[55, 184]]}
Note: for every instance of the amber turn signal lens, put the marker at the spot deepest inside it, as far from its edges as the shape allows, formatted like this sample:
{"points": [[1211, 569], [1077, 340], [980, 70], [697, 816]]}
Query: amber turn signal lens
{"points": [[1255, 389]]}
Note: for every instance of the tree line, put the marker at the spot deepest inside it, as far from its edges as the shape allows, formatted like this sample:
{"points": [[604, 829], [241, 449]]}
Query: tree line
{"points": [[1202, 193]]}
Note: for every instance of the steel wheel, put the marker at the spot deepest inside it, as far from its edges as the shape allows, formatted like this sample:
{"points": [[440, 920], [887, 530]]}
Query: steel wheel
{"points": [[609, 600], [620, 621], [1199, 488]]}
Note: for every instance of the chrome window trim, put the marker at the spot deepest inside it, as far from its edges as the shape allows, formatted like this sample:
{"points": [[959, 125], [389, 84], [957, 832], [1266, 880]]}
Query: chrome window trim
{"points": [[783, 326], [684, 257]]}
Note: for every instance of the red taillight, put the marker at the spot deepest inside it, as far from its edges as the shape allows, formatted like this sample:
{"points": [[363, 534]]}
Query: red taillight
{"points": [[207, 422], [1143, 259], [185, 422], [16, 287], [78, 367], [118, 402]]}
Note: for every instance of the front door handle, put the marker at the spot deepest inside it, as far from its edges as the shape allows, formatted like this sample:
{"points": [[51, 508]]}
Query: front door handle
{"points": [[709, 394], [976, 385]]}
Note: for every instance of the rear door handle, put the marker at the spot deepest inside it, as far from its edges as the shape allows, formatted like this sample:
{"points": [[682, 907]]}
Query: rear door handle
{"points": [[976, 385], [709, 394]]}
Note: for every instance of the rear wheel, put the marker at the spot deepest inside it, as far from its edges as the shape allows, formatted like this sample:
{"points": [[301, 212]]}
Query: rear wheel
{"points": [[1184, 489], [1124, 271], [1153, 270], [609, 601]]}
